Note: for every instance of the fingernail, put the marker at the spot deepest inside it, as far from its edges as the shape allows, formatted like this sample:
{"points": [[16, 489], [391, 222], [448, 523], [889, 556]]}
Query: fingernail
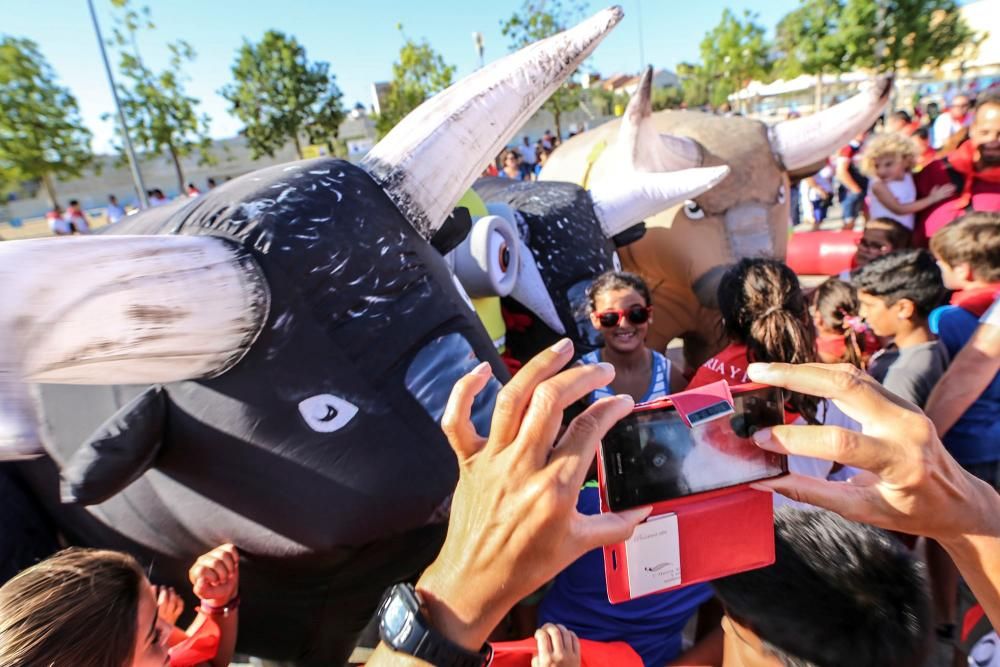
{"points": [[608, 367], [760, 372], [760, 487], [626, 397], [564, 345], [482, 369], [762, 437]]}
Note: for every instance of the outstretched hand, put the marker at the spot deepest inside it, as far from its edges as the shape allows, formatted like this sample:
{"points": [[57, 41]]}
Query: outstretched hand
{"points": [[915, 486], [514, 523]]}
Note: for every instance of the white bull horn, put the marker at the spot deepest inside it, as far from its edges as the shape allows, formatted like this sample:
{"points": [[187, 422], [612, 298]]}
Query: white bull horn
{"points": [[642, 147], [629, 201], [806, 141], [127, 309], [428, 161]]}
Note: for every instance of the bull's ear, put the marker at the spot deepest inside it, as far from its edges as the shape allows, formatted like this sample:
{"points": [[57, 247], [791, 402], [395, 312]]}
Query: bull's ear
{"points": [[121, 450], [434, 155], [641, 148], [802, 143]]}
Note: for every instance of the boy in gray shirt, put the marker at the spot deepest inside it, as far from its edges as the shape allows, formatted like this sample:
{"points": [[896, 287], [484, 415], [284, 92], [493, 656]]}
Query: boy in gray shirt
{"points": [[897, 292]]}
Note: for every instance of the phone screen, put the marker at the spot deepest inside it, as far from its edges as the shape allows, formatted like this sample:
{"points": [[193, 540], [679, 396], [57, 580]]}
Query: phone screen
{"points": [[651, 456]]}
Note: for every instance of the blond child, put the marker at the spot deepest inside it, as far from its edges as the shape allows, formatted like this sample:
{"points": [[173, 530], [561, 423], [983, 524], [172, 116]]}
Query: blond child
{"points": [[889, 160]]}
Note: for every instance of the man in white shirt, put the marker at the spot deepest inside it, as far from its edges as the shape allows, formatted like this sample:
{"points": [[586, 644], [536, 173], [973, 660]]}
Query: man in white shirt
{"points": [[947, 124]]}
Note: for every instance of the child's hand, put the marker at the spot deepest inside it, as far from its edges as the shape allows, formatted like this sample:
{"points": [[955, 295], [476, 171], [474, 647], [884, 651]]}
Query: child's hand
{"points": [[939, 192], [168, 603], [557, 647], [216, 575]]}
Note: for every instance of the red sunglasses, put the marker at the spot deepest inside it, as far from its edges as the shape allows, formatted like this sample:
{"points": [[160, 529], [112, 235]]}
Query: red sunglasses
{"points": [[635, 315]]}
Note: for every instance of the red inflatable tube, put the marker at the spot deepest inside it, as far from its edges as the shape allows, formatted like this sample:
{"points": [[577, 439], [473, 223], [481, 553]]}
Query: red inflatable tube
{"points": [[822, 253]]}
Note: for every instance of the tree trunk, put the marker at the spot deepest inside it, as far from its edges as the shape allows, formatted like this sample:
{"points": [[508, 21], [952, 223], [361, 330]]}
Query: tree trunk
{"points": [[50, 189], [177, 169], [818, 102], [298, 146]]}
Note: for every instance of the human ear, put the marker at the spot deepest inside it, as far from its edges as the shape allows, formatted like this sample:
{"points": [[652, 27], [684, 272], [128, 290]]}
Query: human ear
{"points": [[905, 309]]}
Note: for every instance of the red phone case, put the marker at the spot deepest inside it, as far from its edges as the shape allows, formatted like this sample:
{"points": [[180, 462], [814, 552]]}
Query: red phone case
{"points": [[721, 532]]}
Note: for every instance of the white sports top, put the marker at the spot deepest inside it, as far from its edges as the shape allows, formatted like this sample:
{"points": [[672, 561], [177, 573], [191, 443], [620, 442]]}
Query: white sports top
{"points": [[905, 192]]}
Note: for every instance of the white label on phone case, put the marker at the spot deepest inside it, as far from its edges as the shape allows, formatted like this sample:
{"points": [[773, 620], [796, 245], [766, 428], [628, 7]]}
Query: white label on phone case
{"points": [[653, 555]]}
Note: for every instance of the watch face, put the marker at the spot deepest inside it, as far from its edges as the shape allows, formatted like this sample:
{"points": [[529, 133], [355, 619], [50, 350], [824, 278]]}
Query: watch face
{"points": [[395, 617]]}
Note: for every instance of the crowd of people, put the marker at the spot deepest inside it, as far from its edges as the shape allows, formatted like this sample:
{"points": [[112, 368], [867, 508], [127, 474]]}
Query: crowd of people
{"points": [[74, 220], [902, 169], [915, 325], [524, 162]]}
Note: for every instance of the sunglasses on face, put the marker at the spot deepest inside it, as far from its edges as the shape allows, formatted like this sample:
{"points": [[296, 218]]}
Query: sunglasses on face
{"points": [[874, 245], [635, 315]]}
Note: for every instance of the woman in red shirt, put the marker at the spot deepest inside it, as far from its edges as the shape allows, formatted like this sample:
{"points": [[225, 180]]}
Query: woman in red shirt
{"points": [[766, 318]]}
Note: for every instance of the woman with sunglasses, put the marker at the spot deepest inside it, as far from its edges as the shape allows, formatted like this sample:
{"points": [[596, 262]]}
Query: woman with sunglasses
{"points": [[621, 310], [578, 599]]}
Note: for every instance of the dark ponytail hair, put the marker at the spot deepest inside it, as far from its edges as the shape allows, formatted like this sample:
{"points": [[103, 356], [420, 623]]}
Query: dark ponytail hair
{"points": [[837, 302], [616, 280], [763, 307]]}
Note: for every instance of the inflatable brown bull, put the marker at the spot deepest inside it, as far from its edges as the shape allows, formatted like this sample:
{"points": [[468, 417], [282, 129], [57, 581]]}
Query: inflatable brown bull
{"points": [[687, 248]]}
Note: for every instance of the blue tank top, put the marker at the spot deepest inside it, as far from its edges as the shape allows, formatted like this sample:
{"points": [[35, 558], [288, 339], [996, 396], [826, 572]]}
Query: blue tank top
{"points": [[659, 383]]}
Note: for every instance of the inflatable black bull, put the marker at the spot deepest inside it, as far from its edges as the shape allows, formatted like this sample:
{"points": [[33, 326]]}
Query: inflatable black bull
{"points": [[267, 364]]}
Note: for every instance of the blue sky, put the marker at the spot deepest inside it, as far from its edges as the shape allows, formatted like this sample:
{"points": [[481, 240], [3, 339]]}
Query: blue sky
{"points": [[359, 39]]}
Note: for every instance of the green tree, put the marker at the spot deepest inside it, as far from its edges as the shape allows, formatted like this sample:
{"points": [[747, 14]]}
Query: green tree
{"points": [[667, 98], [162, 117], [695, 83], [538, 19], [733, 53], [41, 133], [419, 73], [280, 96], [903, 34], [808, 40]]}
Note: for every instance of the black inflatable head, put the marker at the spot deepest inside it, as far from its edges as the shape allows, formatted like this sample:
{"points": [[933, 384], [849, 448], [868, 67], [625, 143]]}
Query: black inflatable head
{"points": [[564, 239], [324, 437]]}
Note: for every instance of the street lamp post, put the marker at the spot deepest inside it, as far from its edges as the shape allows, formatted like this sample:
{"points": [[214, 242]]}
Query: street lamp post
{"points": [[140, 187]]}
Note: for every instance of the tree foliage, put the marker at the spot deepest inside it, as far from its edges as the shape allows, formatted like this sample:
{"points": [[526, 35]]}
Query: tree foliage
{"points": [[695, 83], [808, 39], [41, 133], [419, 73], [538, 19], [162, 117], [279, 95], [733, 53], [893, 34]]}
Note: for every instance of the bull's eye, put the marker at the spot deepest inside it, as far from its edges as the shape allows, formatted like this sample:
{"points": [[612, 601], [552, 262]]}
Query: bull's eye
{"points": [[693, 211], [326, 413], [781, 194], [504, 257]]}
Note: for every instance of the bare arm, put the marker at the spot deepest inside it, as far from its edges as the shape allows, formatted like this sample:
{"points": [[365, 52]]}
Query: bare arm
{"points": [[514, 523], [844, 175], [884, 195], [916, 487], [970, 373]]}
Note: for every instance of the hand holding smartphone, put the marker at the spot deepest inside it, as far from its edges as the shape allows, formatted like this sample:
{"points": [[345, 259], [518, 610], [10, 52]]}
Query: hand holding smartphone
{"points": [[656, 454]]}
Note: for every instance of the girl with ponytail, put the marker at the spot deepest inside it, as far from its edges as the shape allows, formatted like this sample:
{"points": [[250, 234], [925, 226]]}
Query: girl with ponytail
{"points": [[842, 336], [766, 318]]}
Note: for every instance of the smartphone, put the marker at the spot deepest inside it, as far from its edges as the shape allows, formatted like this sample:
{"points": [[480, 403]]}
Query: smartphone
{"points": [[652, 455]]}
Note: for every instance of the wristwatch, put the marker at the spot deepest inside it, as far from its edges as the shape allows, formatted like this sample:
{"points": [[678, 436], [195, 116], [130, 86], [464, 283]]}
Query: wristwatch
{"points": [[404, 628]]}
